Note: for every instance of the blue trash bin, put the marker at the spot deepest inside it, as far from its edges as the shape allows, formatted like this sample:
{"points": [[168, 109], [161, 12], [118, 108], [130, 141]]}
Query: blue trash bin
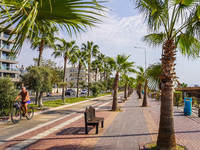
{"points": [[187, 106]]}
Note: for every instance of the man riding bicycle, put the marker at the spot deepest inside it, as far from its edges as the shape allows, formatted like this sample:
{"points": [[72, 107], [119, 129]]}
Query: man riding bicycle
{"points": [[25, 100]]}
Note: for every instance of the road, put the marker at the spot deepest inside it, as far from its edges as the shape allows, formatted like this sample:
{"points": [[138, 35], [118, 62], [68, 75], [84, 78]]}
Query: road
{"points": [[42, 121]]}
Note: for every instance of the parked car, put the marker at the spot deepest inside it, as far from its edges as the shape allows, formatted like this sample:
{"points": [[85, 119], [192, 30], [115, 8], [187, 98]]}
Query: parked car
{"points": [[83, 91], [70, 92], [49, 94]]}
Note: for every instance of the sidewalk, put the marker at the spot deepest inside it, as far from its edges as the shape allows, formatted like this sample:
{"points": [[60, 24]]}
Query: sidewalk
{"points": [[128, 131], [187, 128]]}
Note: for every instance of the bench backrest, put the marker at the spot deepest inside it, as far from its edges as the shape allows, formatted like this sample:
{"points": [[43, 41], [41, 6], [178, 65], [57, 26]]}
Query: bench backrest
{"points": [[89, 113]]}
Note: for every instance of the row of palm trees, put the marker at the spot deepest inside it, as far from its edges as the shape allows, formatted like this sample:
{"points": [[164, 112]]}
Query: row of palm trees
{"points": [[172, 24]]}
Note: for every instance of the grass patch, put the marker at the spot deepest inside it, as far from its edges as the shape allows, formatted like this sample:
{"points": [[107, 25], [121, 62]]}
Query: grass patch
{"points": [[58, 102], [152, 146]]}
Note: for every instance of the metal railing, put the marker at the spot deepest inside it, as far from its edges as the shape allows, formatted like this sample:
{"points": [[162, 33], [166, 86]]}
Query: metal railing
{"points": [[9, 68], [8, 58]]}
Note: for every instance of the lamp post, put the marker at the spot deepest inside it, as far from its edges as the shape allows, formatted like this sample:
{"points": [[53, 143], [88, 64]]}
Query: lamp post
{"points": [[144, 54]]}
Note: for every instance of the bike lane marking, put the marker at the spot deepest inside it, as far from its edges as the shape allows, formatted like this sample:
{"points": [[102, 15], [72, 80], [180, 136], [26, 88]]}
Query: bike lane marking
{"points": [[46, 133], [45, 124]]}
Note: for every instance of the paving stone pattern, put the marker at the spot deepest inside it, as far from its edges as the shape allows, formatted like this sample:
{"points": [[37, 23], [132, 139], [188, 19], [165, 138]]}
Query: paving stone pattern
{"points": [[187, 128], [128, 130]]}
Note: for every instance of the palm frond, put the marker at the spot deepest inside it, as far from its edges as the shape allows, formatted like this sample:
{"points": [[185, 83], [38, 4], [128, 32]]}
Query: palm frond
{"points": [[155, 39]]}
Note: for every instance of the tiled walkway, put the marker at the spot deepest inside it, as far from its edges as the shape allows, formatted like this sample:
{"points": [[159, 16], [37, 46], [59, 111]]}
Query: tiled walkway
{"points": [[128, 130], [187, 128]]}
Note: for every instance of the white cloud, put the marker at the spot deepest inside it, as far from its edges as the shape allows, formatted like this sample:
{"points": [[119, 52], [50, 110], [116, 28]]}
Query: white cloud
{"points": [[119, 35]]}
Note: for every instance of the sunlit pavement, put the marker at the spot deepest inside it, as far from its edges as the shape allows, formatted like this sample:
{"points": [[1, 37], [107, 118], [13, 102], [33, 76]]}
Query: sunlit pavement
{"points": [[42, 126], [187, 128]]}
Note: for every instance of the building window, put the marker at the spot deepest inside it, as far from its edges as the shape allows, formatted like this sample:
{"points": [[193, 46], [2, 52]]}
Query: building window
{"points": [[6, 45]]}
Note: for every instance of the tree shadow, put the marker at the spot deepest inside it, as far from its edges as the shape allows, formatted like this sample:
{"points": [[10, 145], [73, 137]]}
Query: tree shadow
{"points": [[74, 131]]}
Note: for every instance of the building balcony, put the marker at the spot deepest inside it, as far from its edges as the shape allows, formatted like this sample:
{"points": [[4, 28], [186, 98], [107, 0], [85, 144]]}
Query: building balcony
{"points": [[5, 39], [9, 70], [9, 60]]}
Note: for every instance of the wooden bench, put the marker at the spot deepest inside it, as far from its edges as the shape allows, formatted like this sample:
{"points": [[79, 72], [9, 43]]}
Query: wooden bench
{"points": [[92, 120]]}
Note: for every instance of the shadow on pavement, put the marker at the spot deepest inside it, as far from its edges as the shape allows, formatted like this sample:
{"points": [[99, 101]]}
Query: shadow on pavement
{"points": [[74, 131]]}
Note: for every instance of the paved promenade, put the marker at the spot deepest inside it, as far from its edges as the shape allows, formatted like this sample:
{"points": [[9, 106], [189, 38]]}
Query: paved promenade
{"points": [[129, 129], [187, 128]]}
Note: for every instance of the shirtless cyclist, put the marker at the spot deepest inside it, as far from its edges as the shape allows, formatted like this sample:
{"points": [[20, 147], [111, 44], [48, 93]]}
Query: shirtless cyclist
{"points": [[25, 100]]}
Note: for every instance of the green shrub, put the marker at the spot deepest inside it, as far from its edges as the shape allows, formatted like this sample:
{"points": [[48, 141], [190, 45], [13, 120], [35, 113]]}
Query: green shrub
{"points": [[178, 98], [7, 94]]}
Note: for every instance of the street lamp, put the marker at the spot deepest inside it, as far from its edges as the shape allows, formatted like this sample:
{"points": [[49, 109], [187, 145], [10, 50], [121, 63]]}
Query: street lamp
{"points": [[144, 53]]}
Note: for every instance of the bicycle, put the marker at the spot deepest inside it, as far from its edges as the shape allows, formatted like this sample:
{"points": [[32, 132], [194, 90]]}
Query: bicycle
{"points": [[16, 113]]}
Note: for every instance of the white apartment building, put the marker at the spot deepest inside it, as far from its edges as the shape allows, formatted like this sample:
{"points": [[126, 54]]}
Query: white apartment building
{"points": [[7, 63], [72, 74]]}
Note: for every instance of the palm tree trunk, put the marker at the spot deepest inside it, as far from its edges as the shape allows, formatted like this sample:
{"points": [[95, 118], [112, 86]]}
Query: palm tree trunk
{"points": [[166, 136], [125, 90], [64, 80], [40, 52], [139, 91], [79, 69], [89, 66], [128, 91], [96, 75], [144, 104], [41, 47], [114, 105], [104, 76]]}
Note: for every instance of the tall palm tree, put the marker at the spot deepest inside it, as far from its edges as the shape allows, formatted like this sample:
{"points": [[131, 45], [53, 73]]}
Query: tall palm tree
{"points": [[67, 51], [119, 65], [152, 80], [126, 79], [131, 85], [176, 24], [44, 39], [28, 16], [101, 58], [140, 80], [79, 58], [95, 67], [92, 51]]}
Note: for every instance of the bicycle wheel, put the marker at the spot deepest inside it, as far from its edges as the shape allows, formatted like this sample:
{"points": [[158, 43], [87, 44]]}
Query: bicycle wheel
{"points": [[16, 115], [30, 113]]}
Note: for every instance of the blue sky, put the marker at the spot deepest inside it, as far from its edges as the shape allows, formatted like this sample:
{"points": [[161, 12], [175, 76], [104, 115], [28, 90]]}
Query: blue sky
{"points": [[120, 32]]}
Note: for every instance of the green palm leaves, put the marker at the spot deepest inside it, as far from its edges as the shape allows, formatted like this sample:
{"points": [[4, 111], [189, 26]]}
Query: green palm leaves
{"points": [[28, 15]]}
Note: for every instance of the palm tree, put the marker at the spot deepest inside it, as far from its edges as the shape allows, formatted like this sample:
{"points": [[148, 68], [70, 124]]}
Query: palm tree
{"points": [[95, 67], [140, 80], [131, 85], [126, 78], [27, 16], [80, 58], [44, 39], [152, 74], [163, 18], [67, 51], [119, 65], [92, 51]]}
